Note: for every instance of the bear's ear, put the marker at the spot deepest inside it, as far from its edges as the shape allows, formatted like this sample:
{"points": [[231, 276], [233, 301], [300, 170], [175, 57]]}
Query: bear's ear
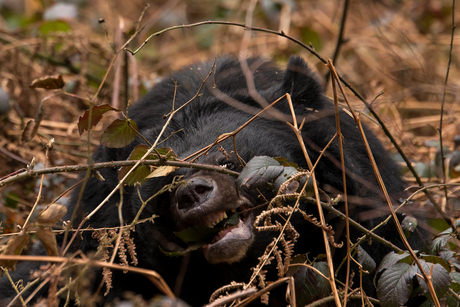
{"points": [[301, 83]]}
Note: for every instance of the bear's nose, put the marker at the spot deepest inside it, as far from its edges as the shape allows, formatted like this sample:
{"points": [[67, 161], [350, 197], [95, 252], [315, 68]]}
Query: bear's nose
{"points": [[194, 193]]}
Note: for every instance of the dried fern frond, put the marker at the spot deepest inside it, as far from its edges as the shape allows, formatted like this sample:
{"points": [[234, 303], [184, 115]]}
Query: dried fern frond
{"points": [[224, 291], [130, 246], [287, 188], [288, 248], [103, 236], [328, 228], [266, 217], [122, 255]]}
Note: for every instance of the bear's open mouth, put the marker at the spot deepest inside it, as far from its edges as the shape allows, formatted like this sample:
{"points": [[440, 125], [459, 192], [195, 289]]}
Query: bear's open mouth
{"points": [[240, 227], [220, 221], [231, 243]]}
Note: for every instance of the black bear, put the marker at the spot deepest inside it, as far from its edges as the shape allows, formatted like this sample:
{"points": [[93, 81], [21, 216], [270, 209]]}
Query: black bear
{"points": [[228, 99]]}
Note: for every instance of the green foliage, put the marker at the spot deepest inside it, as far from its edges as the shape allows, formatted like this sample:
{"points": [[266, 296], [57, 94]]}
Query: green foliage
{"points": [[259, 171], [444, 240], [119, 134], [396, 284], [309, 285], [262, 170], [54, 26], [141, 173], [366, 260]]}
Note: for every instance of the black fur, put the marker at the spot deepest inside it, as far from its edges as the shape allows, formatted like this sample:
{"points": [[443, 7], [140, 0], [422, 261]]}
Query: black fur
{"points": [[199, 124]]}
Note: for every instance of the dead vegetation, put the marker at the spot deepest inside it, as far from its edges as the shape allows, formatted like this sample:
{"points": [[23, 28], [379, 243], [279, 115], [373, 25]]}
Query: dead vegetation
{"points": [[399, 49]]}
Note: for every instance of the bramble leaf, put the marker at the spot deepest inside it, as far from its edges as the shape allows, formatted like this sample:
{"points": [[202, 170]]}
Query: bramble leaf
{"points": [[143, 172], [395, 285], [97, 112], [259, 171], [119, 134]]}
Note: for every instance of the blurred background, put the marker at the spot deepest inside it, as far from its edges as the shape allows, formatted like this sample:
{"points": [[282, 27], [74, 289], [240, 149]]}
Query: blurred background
{"points": [[399, 47]]}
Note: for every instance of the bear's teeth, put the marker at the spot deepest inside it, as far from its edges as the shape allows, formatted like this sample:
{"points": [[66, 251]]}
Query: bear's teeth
{"points": [[222, 215]]}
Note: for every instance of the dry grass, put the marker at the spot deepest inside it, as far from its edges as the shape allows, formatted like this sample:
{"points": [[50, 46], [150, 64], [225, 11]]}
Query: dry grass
{"points": [[401, 49]]}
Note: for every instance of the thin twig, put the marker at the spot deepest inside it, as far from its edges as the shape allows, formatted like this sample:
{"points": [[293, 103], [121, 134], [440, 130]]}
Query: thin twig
{"points": [[443, 157], [13, 284], [340, 39], [344, 180], [24, 226], [327, 246]]}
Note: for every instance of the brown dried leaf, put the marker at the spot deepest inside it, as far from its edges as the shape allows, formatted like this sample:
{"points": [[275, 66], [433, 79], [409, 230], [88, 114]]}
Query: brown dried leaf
{"points": [[29, 131], [48, 240], [48, 82], [162, 171], [51, 215], [31, 128], [14, 247]]}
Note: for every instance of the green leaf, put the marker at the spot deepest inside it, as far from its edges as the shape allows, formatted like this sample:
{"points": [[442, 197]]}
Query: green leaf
{"points": [[436, 259], [309, 285], [231, 220], [391, 259], [259, 171], [141, 173], [54, 26], [284, 162], [312, 37], [455, 284], [395, 285], [119, 134], [201, 235], [197, 234], [440, 241], [366, 260], [11, 200], [96, 116], [439, 277], [190, 248], [284, 176]]}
